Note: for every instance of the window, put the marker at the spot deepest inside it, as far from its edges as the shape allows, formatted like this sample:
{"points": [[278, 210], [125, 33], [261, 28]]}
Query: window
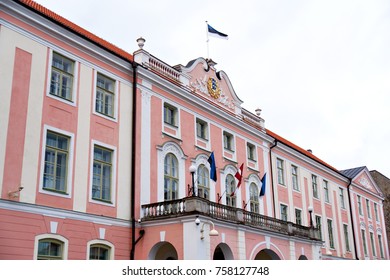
{"points": [[62, 72], [170, 115], [50, 249], [330, 234], [251, 151], [376, 212], [99, 252], [368, 208], [203, 182], [102, 173], [326, 190], [280, 167], [342, 202], [105, 95], [380, 245], [364, 242], [319, 225], [346, 238], [228, 141], [372, 244], [298, 216], [230, 185], [171, 180], [56, 162], [314, 186], [360, 205], [254, 198], [283, 212], [294, 176], [201, 129]]}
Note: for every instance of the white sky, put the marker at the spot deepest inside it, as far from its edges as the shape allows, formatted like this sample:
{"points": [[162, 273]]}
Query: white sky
{"points": [[319, 70]]}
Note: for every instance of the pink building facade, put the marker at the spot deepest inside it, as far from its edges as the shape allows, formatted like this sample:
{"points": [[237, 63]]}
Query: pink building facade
{"points": [[106, 155]]}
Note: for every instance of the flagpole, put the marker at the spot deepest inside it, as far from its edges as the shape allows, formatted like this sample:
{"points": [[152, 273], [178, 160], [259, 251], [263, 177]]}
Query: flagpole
{"points": [[207, 40]]}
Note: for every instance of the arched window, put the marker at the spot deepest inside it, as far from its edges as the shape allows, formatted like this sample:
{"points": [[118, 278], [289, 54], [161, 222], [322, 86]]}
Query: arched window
{"points": [[50, 249], [203, 182], [171, 178], [99, 252], [254, 198], [230, 188]]}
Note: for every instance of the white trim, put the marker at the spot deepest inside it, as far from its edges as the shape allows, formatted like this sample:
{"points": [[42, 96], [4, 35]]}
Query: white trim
{"points": [[203, 159], [113, 173], [70, 163]]}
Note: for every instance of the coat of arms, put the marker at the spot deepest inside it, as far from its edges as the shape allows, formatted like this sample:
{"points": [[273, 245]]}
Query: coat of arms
{"points": [[213, 88]]}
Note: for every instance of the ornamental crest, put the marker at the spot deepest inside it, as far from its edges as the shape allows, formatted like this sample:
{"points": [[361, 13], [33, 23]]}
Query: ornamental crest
{"points": [[213, 88]]}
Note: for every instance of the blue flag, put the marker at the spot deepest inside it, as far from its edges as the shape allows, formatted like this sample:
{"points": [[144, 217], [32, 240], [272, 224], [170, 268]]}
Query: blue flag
{"points": [[215, 33], [263, 182], [213, 168]]}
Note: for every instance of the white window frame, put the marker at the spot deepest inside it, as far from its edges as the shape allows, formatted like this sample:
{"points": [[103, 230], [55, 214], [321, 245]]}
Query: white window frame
{"points": [[231, 142], [314, 185], [368, 207], [342, 198], [60, 238], [69, 179], [296, 176], [73, 101], [280, 172], [283, 206], [205, 129], [101, 242], [112, 203], [114, 117]]}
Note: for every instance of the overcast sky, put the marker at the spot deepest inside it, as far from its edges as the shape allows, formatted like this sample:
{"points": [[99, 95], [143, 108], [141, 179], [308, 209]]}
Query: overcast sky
{"points": [[319, 70]]}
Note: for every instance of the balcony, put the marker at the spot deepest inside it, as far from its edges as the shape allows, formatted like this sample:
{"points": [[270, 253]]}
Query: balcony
{"points": [[196, 205]]}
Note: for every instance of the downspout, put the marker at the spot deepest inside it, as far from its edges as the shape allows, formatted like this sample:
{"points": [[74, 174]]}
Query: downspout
{"points": [[133, 163], [352, 221], [272, 175]]}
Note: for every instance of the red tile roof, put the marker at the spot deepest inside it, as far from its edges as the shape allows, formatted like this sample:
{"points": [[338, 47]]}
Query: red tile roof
{"points": [[39, 9], [299, 149]]}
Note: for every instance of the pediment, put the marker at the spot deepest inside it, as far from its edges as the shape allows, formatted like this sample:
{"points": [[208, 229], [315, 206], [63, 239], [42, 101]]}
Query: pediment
{"points": [[215, 86], [365, 181]]}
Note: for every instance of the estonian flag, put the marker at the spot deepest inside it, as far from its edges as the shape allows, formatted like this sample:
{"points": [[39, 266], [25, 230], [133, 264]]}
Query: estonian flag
{"points": [[213, 168], [215, 33], [263, 182]]}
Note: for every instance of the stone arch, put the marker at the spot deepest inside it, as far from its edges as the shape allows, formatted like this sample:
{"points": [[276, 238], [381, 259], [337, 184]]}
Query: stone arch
{"points": [[163, 251], [222, 252]]}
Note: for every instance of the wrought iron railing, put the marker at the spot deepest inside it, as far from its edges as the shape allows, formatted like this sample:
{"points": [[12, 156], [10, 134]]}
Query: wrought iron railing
{"points": [[197, 205]]}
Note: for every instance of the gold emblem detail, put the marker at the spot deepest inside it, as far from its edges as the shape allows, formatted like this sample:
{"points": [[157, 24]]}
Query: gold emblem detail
{"points": [[213, 88]]}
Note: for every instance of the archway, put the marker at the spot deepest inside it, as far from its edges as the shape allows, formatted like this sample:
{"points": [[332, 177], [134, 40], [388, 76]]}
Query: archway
{"points": [[267, 254], [302, 257], [222, 252], [163, 251]]}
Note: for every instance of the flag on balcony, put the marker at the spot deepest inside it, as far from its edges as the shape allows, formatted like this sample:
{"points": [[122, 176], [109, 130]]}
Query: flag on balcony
{"points": [[213, 32], [263, 182], [213, 168], [239, 178]]}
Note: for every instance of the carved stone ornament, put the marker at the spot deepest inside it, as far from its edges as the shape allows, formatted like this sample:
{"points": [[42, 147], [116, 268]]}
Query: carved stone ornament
{"points": [[213, 88]]}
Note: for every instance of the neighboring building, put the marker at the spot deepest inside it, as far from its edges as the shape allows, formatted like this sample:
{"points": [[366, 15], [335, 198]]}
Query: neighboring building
{"points": [[384, 184], [77, 128]]}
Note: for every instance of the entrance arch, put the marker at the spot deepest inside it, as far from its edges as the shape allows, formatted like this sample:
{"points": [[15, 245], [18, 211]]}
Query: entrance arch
{"points": [[302, 257], [267, 254], [222, 252], [163, 251]]}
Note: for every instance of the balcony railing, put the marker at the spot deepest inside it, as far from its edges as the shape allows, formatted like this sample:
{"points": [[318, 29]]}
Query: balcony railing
{"points": [[196, 205]]}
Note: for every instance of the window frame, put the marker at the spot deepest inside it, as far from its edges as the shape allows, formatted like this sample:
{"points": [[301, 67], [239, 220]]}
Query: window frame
{"points": [[54, 237], [251, 151], [70, 101], [365, 249], [329, 223], [280, 171], [294, 177], [359, 201], [228, 141], [325, 185], [372, 241], [254, 205], [368, 208], [380, 243], [103, 164], [202, 129], [314, 186], [318, 220], [230, 187], [172, 178], [173, 118], [106, 92], [203, 174], [298, 216], [284, 212], [376, 212], [70, 163], [342, 198], [346, 238]]}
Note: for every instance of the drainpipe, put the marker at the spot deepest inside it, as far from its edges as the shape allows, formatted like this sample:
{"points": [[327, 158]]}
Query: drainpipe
{"points": [[133, 155], [272, 175], [352, 221]]}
